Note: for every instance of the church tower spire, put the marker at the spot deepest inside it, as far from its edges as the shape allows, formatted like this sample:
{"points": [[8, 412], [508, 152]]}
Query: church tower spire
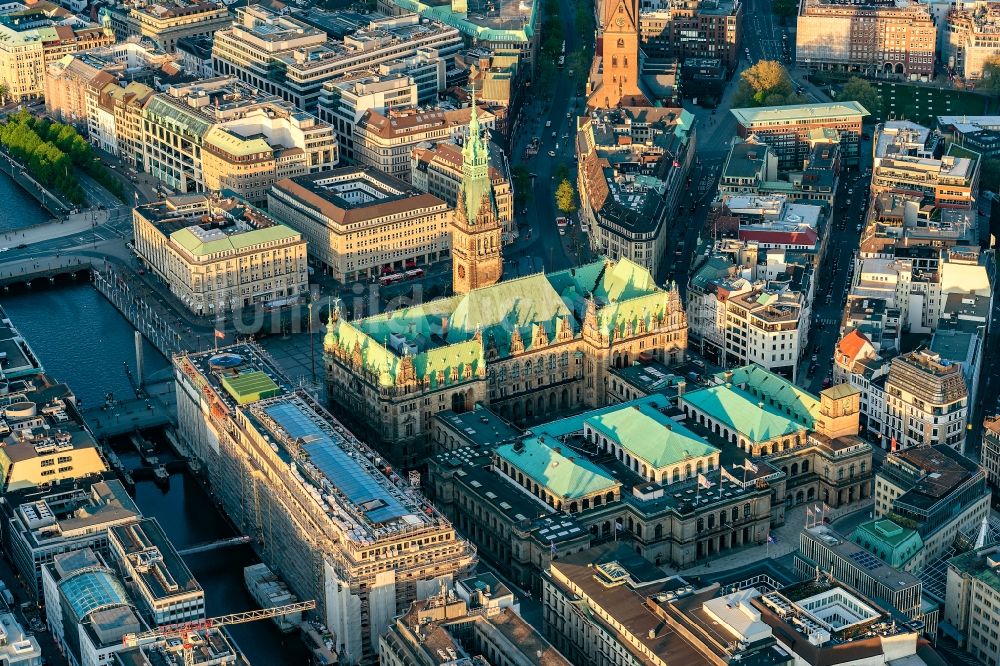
{"points": [[475, 226]]}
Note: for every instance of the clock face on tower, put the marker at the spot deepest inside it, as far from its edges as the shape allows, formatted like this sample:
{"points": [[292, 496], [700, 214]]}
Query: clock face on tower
{"points": [[620, 21]]}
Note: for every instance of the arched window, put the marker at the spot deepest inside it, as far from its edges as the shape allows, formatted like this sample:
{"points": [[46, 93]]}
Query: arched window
{"points": [[711, 521], [614, 61], [621, 43], [746, 510], [735, 513], [840, 474], [805, 466], [701, 524]]}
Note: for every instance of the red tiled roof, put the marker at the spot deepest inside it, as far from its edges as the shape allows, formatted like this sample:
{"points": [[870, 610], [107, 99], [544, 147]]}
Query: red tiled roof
{"points": [[849, 346], [804, 238]]}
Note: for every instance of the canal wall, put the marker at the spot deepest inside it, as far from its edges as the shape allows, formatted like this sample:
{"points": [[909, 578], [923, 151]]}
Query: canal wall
{"points": [[52, 203]]}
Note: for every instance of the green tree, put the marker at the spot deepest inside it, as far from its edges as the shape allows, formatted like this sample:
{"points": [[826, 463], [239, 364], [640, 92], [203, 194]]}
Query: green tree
{"points": [[521, 178], [566, 197], [4, 92], [991, 75], [863, 92], [784, 8], [766, 83]]}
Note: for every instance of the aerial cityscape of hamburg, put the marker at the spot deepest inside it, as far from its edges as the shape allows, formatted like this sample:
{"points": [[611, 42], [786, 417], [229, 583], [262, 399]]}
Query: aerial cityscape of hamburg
{"points": [[499, 333]]}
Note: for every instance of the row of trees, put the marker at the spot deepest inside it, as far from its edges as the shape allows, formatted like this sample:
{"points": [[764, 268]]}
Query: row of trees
{"points": [[54, 153], [51, 166]]}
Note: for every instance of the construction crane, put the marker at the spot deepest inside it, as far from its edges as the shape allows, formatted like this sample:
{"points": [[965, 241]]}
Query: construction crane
{"points": [[184, 628]]}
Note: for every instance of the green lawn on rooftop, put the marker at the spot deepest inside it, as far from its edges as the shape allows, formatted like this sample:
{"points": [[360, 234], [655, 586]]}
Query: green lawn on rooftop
{"points": [[923, 104]]}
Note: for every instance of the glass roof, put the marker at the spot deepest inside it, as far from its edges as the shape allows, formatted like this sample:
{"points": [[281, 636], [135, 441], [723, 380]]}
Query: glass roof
{"points": [[92, 590], [343, 471]]}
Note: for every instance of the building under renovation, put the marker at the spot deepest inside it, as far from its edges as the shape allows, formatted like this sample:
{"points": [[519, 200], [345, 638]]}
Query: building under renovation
{"points": [[327, 513]]}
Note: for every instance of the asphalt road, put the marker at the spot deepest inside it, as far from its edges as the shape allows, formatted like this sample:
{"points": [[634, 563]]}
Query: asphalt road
{"points": [[539, 235]]}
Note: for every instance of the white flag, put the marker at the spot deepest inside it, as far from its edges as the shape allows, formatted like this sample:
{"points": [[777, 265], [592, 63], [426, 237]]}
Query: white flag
{"points": [[703, 481], [749, 466]]}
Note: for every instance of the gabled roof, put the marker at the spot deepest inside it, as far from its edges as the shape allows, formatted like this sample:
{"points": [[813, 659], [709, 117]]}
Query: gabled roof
{"points": [[806, 238], [650, 436], [742, 412], [789, 398], [850, 347], [557, 469]]}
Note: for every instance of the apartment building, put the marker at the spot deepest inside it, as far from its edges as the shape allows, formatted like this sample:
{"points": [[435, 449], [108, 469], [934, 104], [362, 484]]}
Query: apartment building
{"points": [[552, 356], [338, 525], [972, 600], [155, 574], [114, 116], [361, 223], [386, 141], [926, 401], [873, 38], [31, 40], [934, 490], [631, 176], [972, 38], [767, 328], [751, 169], [977, 133], [437, 169], [219, 254], [343, 103], [789, 130], [694, 29], [167, 22], [512, 25], [220, 133], [44, 440], [990, 455], [291, 59], [479, 620], [38, 526], [905, 163], [248, 154], [132, 61]]}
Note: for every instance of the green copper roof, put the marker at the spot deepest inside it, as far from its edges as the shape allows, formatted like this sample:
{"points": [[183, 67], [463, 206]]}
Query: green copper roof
{"points": [[444, 331], [892, 543], [797, 403], [250, 387], [460, 21], [742, 412], [574, 424], [476, 184], [559, 470], [651, 436], [799, 113], [235, 242]]}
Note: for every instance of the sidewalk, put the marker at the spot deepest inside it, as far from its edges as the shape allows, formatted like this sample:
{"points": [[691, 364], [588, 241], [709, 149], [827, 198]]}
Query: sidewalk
{"points": [[72, 224]]}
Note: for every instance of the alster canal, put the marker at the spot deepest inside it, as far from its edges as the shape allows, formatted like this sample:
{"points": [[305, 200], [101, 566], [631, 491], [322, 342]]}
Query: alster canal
{"points": [[83, 341]]}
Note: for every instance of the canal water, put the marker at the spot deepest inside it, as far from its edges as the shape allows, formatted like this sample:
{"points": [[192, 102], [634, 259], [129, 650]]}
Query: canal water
{"points": [[18, 209], [83, 341]]}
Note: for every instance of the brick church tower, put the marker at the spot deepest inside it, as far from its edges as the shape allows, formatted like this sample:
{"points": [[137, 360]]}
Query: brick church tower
{"points": [[619, 84]]}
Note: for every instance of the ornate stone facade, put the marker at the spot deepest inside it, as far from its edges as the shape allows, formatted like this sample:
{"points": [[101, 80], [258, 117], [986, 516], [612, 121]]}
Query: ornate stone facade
{"points": [[528, 347], [475, 228]]}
